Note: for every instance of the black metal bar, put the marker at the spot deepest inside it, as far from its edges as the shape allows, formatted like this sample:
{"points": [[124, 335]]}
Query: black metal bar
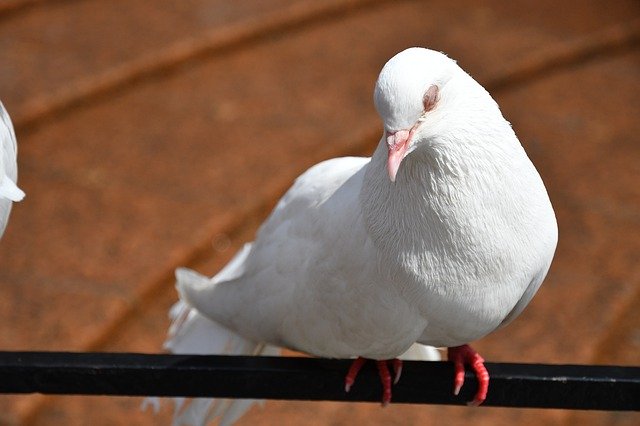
{"points": [[512, 385]]}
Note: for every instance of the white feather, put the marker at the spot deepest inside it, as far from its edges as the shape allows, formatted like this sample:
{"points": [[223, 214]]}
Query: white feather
{"points": [[192, 333], [9, 191]]}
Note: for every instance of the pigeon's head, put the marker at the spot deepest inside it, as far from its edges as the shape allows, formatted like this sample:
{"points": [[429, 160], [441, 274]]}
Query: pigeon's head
{"points": [[407, 96]]}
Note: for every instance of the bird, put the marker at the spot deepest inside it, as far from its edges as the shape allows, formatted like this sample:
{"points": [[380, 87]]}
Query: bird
{"points": [[9, 191], [441, 237]]}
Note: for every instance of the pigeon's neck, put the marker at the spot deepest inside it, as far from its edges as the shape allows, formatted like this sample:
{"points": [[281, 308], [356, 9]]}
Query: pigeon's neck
{"points": [[395, 211], [436, 199]]}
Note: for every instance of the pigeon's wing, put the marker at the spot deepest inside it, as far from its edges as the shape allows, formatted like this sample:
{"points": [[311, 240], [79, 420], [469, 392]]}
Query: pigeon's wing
{"points": [[297, 251]]}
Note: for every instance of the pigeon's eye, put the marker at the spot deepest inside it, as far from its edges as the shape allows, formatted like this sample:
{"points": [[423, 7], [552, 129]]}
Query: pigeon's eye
{"points": [[430, 98]]}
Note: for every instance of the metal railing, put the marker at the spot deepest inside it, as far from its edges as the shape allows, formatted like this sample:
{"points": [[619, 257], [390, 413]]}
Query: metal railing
{"points": [[583, 387]]}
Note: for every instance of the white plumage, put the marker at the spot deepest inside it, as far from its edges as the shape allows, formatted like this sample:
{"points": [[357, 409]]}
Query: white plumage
{"points": [[441, 237], [9, 192]]}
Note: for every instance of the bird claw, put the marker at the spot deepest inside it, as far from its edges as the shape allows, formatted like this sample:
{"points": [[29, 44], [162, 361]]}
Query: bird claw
{"points": [[458, 379], [397, 368], [465, 354], [385, 376], [350, 378]]}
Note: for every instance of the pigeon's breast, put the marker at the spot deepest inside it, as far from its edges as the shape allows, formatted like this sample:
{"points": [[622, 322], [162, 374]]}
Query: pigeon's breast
{"points": [[467, 241]]}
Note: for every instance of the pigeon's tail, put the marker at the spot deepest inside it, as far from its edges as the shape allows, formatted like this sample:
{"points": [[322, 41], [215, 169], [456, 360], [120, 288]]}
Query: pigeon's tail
{"points": [[192, 333], [419, 352]]}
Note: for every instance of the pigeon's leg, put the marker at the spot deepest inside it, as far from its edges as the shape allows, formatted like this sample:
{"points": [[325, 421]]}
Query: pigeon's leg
{"points": [[464, 354], [383, 370], [385, 378]]}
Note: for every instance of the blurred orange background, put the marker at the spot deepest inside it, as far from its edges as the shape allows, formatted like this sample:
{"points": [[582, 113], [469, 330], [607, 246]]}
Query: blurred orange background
{"points": [[156, 134]]}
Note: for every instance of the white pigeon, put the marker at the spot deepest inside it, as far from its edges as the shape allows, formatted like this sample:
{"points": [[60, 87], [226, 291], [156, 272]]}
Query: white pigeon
{"points": [[9, 192], [441, 237]]}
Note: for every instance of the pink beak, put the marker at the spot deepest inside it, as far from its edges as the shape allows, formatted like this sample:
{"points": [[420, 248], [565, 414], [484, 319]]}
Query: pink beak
{"points": [[397, 143]]}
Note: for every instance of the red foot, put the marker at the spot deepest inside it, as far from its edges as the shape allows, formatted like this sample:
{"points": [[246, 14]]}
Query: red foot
{"points": [[383, 370], [464, 354]]}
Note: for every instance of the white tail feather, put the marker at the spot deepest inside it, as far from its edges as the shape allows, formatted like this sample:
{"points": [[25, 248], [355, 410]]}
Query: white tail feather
{"points": [[192, 333], [418, 352]]}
